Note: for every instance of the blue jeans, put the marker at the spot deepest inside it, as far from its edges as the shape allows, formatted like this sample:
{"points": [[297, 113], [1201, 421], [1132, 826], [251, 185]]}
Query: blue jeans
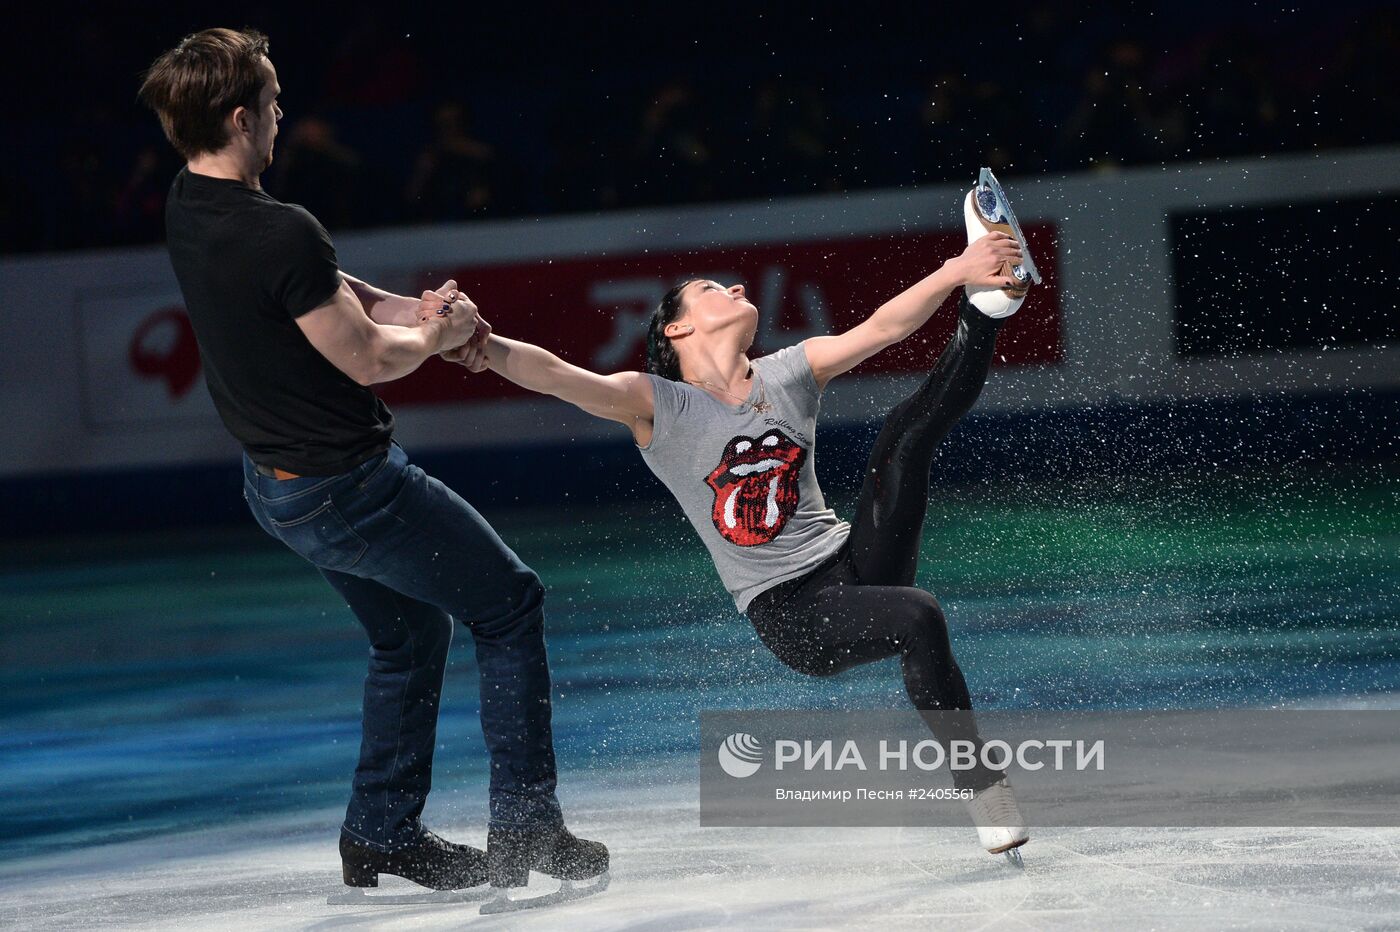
{"points": [[408, 555]]}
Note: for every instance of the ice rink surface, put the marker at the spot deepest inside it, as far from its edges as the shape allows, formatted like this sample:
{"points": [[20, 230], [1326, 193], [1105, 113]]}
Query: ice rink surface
{"points": [[669, 874], [181, 718]]}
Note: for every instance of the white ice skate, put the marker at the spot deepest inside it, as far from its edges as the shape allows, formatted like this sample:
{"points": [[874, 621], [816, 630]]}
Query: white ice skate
{"points": [[986, 209], [1000, 825]]}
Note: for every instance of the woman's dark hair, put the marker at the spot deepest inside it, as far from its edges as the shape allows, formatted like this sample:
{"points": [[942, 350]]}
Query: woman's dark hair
{"points": [[206, 77], [661, 353]]}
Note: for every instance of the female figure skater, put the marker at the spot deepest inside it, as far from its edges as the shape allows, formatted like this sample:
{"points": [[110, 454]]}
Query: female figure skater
{"points": [[733, 439]]}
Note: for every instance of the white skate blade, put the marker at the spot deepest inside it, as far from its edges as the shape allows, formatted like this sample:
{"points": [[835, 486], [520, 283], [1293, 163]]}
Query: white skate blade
{"points": [[992, 203], [514, 899], [1013, 857], [362, 896]]}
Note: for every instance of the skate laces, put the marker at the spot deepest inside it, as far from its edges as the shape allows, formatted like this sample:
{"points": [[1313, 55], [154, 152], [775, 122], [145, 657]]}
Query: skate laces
{"points": [[995, 806]]}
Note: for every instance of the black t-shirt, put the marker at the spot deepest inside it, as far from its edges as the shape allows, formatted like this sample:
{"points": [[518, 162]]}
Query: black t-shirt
{"points": [[248, 266]]}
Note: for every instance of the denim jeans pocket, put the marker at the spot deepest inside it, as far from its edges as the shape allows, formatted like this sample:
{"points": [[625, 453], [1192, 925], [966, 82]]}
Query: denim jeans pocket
{"points": [[259, 515], [375, 466], [323, 537]]}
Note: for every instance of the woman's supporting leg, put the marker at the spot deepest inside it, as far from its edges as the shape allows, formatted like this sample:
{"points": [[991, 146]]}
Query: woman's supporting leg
{"points": [[889, 518], [838, 626]]}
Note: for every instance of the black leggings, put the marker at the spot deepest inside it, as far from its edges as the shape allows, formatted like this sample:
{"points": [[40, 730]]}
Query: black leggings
{"points": [[861, 604]]}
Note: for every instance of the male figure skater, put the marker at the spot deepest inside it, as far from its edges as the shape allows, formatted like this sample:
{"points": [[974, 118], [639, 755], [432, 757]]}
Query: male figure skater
{"points": [[290, 345]]}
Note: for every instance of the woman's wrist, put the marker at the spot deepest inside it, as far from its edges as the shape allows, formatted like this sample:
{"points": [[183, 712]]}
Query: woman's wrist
{"points": [[953, 272]]}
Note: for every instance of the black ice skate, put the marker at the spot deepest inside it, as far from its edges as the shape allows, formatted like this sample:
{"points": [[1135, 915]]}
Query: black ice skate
{"points": [[581, 866], [454, 872]]}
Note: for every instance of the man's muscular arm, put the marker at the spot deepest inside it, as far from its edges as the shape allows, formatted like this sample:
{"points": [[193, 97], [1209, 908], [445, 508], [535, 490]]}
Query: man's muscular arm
{"points": [[382, 307], [371, 353]]}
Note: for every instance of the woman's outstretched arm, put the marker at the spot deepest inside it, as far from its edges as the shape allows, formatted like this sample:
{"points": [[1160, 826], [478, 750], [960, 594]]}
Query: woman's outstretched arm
{"points": [[625, 397], [979, 264]]}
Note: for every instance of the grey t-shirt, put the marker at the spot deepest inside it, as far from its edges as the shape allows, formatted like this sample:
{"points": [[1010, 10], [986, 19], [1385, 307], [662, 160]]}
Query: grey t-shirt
{"points": [[747, 480]]}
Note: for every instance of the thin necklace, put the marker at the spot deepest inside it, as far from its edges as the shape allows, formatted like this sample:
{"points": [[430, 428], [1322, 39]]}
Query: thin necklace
{"points": [[761, 406]]}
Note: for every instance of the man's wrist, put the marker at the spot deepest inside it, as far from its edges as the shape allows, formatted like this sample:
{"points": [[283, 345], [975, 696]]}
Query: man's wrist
{"points": [[438, 337], [405, 310]]}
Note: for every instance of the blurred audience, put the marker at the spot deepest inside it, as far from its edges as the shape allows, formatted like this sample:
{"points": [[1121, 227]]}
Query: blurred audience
{"points": [[455, 175], [792, 146], [1080, 91], [313, 169], [138, 211], [673, 155], [1114, 122]]}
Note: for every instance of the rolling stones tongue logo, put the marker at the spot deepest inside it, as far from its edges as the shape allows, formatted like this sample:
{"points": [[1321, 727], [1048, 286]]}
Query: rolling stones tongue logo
{"points": [[755, 487]]}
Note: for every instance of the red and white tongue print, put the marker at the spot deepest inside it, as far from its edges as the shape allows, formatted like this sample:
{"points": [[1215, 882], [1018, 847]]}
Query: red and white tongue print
{"points": [[755, 487]]}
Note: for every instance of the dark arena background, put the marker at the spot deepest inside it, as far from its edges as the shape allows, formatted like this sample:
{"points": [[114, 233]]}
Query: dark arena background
{"points": [[1178, 490]]}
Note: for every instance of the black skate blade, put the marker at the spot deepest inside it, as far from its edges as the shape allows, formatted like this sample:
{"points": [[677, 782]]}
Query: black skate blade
{"points": [[1013, 857], [361, 896], [514, 899]]}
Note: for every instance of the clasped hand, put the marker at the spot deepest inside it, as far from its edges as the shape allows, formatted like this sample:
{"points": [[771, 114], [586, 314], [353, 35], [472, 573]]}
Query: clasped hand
{"points": [[984, 260], [467, 329]]}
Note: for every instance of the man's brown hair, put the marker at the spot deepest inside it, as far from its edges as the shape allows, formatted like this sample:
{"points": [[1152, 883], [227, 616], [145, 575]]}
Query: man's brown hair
{"points": [[197, 84]]}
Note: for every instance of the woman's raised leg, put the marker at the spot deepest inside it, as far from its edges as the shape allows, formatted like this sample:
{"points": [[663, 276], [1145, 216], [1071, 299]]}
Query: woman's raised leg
{"points": [[889, 518]]}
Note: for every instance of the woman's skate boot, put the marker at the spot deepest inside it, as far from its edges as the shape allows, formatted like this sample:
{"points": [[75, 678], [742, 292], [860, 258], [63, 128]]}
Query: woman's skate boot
{"points": [[986, 209], [1000, 826]]}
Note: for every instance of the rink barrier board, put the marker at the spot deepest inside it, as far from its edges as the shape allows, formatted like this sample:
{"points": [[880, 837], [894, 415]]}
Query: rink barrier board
{"points": [[1148, 440], [107, 414]]}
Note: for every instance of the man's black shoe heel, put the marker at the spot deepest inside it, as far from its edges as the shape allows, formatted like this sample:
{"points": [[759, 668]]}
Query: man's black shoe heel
{"points": [[450, 870], [359, 875]]}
